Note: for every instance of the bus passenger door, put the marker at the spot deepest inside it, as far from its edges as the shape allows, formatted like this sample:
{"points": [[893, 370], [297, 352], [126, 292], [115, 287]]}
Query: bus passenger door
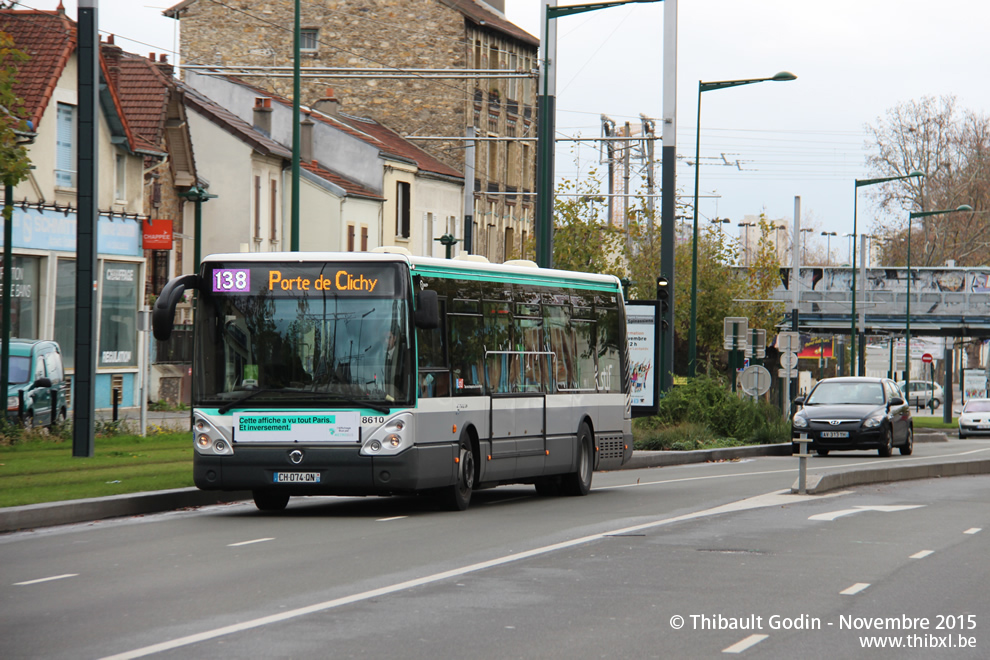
{"points": [[518, 415]]}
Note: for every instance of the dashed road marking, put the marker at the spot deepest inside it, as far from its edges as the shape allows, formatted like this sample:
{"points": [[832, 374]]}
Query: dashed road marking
{"points": [[855, 589], [47, 579], [234, 545], [744, 644], [922, 554]]}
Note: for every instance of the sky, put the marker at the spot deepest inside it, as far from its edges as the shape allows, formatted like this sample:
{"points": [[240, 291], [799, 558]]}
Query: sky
{"points": [[762, 145]]}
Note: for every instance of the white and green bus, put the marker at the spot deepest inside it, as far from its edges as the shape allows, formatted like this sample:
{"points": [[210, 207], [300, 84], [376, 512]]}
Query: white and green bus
{"points": [[383, 373]]}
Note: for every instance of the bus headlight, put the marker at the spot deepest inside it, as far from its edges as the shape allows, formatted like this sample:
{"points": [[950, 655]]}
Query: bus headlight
{"points": [[394, 436], [208, 440]]}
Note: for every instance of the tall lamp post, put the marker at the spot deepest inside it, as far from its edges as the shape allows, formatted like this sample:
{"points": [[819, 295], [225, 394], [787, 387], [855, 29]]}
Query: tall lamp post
{"points": [[852, 337], [746, 226], [828, 246], [804, 244], [907, 311], [709, 87]]}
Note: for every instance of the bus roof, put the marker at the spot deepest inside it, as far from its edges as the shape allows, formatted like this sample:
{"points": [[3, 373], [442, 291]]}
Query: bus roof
{"points": [[433, 266]]}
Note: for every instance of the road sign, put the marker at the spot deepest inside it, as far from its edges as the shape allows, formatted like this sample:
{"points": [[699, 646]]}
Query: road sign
{"points": [[784, 373], [788, 341], [789, 360], [755, 380], [927, 358], [739, 325]]}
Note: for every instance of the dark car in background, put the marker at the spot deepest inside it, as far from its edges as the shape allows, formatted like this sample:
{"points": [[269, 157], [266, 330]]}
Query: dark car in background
{"points": [[37, 392], [854, 413]]}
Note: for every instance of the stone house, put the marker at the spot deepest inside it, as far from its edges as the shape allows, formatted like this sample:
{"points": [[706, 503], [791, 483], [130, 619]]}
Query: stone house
{"points": [[414, 34]]}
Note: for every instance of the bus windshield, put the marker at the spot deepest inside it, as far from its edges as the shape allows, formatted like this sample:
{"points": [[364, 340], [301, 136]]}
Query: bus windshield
{"points": [[304, 335]]}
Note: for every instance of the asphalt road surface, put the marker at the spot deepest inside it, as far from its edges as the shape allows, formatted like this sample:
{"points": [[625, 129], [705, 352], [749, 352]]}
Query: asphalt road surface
{"points": [[696, 561]]}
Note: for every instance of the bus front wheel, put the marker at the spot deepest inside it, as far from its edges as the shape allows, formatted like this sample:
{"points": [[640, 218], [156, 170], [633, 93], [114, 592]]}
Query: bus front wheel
{"points": [[268, 500], [457, 497], [579, 482]]}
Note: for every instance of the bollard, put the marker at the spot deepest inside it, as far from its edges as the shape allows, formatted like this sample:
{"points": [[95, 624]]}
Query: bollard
{"points": [[116, 401], [803, 464]]}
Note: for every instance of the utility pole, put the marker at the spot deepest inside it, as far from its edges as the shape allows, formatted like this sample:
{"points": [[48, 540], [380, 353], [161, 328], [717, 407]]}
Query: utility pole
{"points": [[625, 188], [608, 130], [649, 136]]}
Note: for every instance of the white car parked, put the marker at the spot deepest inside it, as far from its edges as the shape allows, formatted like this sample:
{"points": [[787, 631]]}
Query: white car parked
{"points": [[920, 393]]}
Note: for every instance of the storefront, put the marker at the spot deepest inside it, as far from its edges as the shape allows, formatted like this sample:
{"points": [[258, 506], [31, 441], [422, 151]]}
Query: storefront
{"points": [[43, 293]]}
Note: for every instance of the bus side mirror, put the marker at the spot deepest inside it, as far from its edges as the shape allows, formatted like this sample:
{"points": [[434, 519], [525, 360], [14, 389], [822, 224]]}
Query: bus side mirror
{"points": [[427, 310], [164, 312]]}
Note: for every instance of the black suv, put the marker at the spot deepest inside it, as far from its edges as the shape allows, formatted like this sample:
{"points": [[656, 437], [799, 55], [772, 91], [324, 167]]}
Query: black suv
{"points": [[854, 413]]}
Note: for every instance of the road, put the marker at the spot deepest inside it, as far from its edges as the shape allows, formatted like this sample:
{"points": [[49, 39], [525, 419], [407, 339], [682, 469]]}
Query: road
{"points": [[519, 576]]}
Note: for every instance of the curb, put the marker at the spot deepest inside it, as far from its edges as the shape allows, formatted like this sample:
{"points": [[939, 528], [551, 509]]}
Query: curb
{"points": [[47, 514], [649, 459], [820, 483]]}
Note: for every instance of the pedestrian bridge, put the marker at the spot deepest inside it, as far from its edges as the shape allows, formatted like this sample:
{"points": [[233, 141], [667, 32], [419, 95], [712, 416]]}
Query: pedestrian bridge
{"points": [[945, 302]]}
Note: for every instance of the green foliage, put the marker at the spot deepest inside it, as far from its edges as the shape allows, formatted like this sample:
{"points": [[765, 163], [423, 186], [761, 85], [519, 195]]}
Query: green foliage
{"points": [[14, 163], [583, 240], [708, 403]]}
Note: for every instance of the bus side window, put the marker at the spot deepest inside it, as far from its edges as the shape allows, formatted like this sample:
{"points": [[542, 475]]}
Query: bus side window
{"points": [[434, 374], [467, 353]]}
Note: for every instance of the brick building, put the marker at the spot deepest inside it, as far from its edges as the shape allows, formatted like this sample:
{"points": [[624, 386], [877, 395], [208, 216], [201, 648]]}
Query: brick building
{"points": [[407, 34]]}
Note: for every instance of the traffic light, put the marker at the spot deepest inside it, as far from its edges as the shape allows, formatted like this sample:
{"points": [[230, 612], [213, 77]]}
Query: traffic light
{"points": [[663, 295]]}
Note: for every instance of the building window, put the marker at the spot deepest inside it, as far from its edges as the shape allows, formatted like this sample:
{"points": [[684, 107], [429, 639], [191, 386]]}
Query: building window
{"points": [[65, 310], [273, 212], [309, 39], [364, 239], [350, 238], [120, 180], [402, 210], [118, 315], [477, 54], [509, 247], [492, 173], [65, 146], [24, 297]]}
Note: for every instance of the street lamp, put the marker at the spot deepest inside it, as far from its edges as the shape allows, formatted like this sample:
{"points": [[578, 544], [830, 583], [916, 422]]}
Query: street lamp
{"points": [[746, 226], [804, 244], [709, 87], [907, 311], [852, 337], [828, 246]]}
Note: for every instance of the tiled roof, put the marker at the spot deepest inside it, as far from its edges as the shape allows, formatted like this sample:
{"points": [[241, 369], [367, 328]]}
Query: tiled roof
{"points": [[366, 130], [144, 94], [485, 17], [398, 145], [49, 39], [349, 186], [233, 124]]}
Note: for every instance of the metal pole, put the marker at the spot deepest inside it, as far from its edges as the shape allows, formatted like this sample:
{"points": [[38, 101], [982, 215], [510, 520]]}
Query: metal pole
{"points": [[87, 222], [296, 138], [907, 316], [8, 276], [852, 313], [469, 191], [693, 327], [546, 108], [668, 158]]}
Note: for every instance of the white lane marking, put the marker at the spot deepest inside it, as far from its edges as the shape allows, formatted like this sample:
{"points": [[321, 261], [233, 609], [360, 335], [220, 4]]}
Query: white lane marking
{"points": [[973, 530], [886, 508], [234, 545], [47, 579], [922, 554], [855, 589], [511, 499], [744, 644], [776, 498], [390, 519]]}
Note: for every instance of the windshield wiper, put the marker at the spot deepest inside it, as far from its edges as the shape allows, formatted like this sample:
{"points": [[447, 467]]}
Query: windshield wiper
{"points": [[250, 395]]}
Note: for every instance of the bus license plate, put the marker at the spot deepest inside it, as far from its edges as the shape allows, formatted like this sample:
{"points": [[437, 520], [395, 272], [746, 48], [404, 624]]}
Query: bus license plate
{"points": [[297, 477], [835, 434]]}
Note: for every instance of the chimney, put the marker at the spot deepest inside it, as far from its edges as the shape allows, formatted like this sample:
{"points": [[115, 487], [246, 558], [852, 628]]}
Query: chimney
{"points": [[163, 65], [263, 114], [328, 105], [306, 139], [111, 55]]}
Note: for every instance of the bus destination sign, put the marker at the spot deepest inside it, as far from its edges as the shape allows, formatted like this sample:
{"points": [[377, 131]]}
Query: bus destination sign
{"points": [[307, 279]]}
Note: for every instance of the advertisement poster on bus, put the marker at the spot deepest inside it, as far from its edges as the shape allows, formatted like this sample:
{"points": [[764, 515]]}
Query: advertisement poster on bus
{"points": [[641, 330]]}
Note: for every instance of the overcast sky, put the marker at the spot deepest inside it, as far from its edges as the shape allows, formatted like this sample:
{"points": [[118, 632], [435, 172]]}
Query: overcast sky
{"points": [[854, 60]]}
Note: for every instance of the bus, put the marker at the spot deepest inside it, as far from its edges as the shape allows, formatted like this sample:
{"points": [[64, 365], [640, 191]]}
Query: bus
{"points": [[382, 373]]}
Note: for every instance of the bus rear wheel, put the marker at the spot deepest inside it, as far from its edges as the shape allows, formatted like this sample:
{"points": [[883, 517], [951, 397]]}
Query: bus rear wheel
{"points": [[268, 500], [579, 482], [457, 497]]}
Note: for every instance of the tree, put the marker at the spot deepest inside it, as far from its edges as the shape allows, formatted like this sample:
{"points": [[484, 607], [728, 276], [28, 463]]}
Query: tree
{"points": [[582, 238], [952, 149], [764, 277], [14, 162]]}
